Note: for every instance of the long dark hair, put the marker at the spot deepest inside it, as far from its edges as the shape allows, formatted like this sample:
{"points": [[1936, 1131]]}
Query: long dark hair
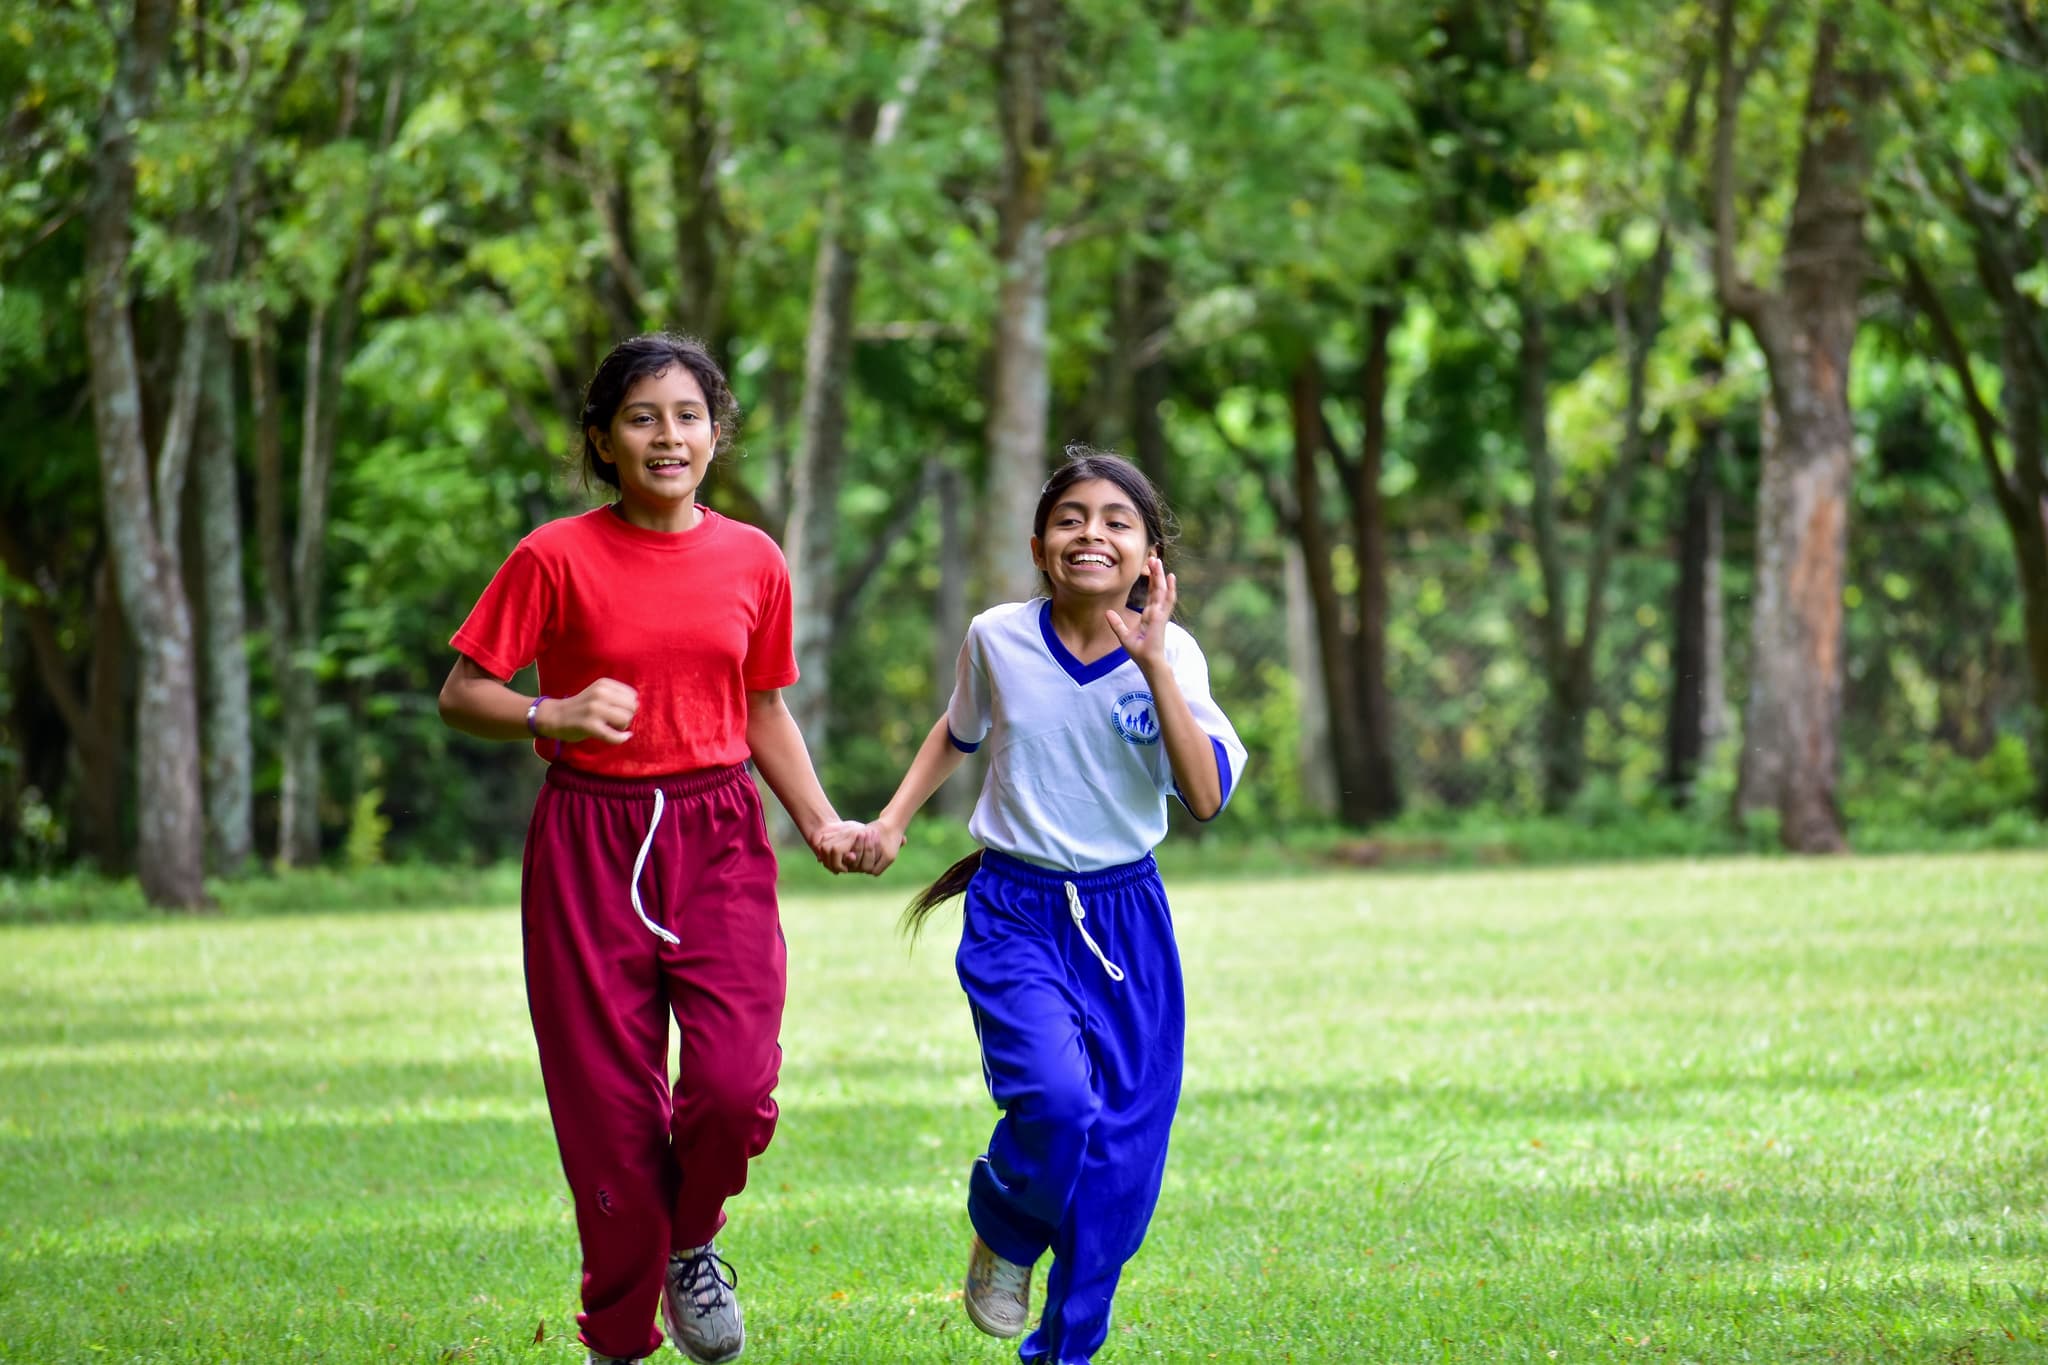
{"points": [[639, 358], [1083, 463], [950, 883]]}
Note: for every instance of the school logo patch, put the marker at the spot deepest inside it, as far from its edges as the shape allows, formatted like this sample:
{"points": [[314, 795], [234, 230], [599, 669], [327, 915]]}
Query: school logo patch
{"points": [[1135, 719]]}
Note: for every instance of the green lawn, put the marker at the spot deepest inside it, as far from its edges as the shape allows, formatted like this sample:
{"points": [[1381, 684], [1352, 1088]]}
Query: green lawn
{"points": [[1762, 1111]]}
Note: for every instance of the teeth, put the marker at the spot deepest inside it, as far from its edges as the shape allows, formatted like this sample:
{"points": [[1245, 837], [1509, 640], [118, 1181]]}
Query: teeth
{"points": [[1103, 560]]}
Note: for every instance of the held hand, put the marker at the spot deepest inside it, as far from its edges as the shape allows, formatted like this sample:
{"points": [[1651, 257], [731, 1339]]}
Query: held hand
{"points": [[1146, 641], [837, 845], [879, 846], [604, 710]]}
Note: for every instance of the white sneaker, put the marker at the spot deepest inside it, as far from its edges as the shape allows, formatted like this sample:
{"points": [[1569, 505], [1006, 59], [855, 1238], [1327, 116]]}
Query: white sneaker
{"points": [[998, 1297], [698, 1307]]}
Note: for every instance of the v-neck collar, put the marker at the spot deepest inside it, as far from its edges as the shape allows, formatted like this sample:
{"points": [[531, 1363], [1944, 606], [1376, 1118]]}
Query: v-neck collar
{"points": [[1081, 673]]}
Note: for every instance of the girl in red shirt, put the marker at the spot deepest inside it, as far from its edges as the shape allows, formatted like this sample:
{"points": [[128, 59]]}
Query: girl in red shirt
{"points": [[661, 633]]}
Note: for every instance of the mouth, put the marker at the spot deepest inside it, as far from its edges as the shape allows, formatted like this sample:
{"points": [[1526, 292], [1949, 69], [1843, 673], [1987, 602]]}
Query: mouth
{"points": [[665, 466], [1089, 559]]}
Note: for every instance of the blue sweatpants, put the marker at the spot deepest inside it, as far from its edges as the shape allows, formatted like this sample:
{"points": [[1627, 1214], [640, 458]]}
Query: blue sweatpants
{"points": [[1081, 1046]]}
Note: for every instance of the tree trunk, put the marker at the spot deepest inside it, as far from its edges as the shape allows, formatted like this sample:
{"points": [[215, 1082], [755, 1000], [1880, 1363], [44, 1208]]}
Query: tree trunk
{"points": [[1806, 331], [170, 853], [103, 766], [267, 417], [1021, 386], [1790, 727], [950, 616], [1691, 724], [330, 341], [1313, 747], [1563, 727], [1339, 684], [1378, 778], [693, 144], [2025, 506], [813, 531], [1151, 317], [229, 760]]}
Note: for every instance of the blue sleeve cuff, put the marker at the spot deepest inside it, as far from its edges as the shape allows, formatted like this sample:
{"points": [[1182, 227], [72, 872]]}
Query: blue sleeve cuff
{"points": [[962, 745], [1223, 776]]}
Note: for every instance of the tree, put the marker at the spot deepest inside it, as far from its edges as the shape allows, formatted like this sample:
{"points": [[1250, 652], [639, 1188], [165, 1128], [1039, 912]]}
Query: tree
{"points": [[1980, 171], [141, 508], [1020, 389], [1636, 303], [812, 537], [294, 576], [1805, 329]]}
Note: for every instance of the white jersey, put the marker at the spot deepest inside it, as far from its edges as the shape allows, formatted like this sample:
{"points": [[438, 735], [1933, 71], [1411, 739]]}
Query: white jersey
{"points": [[1077, 775]]}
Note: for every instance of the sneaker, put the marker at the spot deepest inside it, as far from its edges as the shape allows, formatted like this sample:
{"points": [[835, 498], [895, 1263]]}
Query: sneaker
{"points": [[596, 1359], [698, 1307], [998, 1295]]}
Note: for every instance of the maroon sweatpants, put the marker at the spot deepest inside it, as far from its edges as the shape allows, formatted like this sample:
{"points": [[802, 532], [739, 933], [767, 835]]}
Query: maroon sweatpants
{"points": [[650, 1165]]}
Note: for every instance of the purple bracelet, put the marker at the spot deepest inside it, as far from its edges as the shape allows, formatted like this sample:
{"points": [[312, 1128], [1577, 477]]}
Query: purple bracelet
{"points": [[533, 717]]}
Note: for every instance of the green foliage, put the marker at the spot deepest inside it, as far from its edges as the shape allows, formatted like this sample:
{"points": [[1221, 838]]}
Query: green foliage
{"points": [[367, 828], [1280, 168]]}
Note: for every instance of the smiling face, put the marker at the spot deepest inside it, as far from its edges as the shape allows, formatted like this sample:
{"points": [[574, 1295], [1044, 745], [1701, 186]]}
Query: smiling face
{"points": [[1094, 545], [660, 443]]}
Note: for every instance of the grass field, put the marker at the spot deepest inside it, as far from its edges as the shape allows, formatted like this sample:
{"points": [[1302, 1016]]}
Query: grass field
{"points": [[1731, 1111]]}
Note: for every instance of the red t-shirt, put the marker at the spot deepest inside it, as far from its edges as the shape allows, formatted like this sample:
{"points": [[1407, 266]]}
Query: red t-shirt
{"points": [[691, 620]]}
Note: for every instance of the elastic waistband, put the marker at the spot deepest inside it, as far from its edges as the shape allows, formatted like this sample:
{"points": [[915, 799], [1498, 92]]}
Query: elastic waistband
{"points": [[1052, 878], [675, 785]]}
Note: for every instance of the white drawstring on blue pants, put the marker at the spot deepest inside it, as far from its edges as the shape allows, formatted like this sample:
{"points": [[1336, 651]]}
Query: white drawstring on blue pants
{"points": [[1115, 972]]}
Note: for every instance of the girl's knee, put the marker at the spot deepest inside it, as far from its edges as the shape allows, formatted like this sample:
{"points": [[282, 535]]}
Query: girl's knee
{"points": [[727, 1099], [1060, 1101]]}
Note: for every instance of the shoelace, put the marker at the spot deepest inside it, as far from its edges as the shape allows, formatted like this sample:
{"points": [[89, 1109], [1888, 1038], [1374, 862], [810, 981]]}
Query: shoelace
{"points": [[1080, 915], [1005, 1277], [660, 803], [699, 1278]]}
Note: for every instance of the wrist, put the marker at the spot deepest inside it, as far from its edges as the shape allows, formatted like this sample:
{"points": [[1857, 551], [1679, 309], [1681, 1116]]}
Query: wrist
{"points": [[534, 725]]}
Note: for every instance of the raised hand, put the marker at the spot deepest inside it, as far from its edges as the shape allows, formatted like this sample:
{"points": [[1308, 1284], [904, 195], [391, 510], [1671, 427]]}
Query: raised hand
{"points": [[1146, 641], [604, 710], [838, 845]]}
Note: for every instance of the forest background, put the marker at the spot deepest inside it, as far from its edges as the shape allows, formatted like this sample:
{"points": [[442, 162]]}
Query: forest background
{"points": [[1594, 426]]}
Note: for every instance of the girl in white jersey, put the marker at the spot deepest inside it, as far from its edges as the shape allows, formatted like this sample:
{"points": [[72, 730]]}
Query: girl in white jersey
{"points": [[1095, 707]]}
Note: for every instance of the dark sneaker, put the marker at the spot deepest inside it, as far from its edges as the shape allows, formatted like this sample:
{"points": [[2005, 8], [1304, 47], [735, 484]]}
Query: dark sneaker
{"points": [[698, 1307], [998, 1294], [596, 1359]]}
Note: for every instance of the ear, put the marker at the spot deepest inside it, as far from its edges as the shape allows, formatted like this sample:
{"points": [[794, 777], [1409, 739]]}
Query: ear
{"points": [[1037, 554], [603, 441]]}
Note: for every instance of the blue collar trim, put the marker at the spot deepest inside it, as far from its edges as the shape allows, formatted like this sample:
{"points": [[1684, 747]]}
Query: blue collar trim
{"points": [[1081, 673]]}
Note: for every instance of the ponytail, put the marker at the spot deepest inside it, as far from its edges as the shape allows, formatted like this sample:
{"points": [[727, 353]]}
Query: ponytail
{"points": [[950, 883]]}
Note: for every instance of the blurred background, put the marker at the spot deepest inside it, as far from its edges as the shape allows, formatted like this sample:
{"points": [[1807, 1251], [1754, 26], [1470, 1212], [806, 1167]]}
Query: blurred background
{"points": [[1594, 427]]}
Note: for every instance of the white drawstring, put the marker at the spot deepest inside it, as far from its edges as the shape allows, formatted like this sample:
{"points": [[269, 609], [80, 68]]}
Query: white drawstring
{"points": [[664, 935], [1116, 973]]}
